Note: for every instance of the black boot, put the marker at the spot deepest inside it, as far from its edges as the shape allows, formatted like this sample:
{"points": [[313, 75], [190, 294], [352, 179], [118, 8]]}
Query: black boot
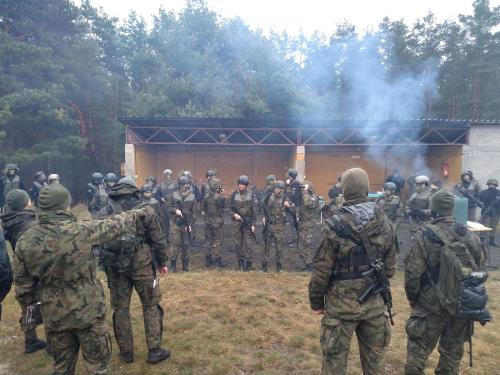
{"points": [[264, 267], [241, 265], [173, 265], [248, 265], [158, 355], [185, 265], [33, 346], [127, 357], [278, 267], [208, 261]]}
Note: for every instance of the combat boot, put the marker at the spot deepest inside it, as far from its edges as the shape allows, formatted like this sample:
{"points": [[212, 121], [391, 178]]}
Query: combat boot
{"points": [[34, 345], [158, 355], [278, 267], [264, 267], [185, 265], [241, 265], [248, 265], [219, 263], [127, 357], [173, 265], [208, 261]]}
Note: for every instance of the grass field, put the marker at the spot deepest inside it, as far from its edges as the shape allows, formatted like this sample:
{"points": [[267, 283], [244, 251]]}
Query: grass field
{"points": [[243, 323]]}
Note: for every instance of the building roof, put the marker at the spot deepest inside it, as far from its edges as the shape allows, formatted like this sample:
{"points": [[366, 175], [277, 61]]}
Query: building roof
{"points": [[289, 132]]}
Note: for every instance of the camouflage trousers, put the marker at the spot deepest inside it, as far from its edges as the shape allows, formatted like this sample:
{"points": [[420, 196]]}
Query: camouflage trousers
{"points": [[373, 336], [179, 242], [306, 252], [214, 235], [147, 287], [424, 330], [243, 242], [95, 342], [275, 236], [491, 222]]}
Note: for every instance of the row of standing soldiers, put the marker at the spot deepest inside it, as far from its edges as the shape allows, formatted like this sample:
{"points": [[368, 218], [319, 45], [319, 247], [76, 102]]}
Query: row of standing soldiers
{"points": [[178, 202]]}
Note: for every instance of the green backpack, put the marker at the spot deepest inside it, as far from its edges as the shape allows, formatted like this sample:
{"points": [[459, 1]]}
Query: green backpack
{"points": [[460, 285]]}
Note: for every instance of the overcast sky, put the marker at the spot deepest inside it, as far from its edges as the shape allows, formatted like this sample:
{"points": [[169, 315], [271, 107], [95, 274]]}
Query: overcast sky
{"points": [[308, 15]]}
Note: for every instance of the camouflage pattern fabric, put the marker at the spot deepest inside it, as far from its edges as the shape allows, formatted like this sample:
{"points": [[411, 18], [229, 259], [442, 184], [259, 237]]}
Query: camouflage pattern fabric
{"points": [[95, 342], [147, 286], [179, 239], [491, 222], [246, 203], [390, 205], [275, 214], [373, 334], [308, 213], [213, 205], [428, 321]]}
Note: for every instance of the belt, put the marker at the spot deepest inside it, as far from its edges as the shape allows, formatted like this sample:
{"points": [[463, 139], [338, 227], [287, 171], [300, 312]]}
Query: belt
{"points": [[353, 275]]}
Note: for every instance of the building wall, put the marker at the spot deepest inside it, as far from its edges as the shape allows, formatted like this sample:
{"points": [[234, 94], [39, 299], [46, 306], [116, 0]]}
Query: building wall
{"points": [[482, 154]]}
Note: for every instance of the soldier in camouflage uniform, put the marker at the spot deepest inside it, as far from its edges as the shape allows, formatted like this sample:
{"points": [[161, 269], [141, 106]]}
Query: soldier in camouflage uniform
{"points": [[490, 198], [54, 260], [429, 322], [338, 279], [97, 198], [390, 201], [14, 224], [181, 208], [147, 197], [275, 209], [213, 205], [165, 191], [468, 188], [109, 181], [267, 190], [293, 192], [418, 206], [36, 187], [9, 182], [243, 204], [132, 262], [308, 213]]}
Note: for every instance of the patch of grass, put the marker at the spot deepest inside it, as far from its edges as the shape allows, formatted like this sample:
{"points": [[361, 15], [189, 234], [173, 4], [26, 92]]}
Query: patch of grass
{"points": [[243, 323]]}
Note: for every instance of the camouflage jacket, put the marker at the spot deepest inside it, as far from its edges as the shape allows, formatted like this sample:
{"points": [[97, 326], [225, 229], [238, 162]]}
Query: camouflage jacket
{"points": [[339, 297], [213, 205], [185, 202], [245, 203], [468, 190], [16, 223], [275, 209], [424, 256], [390, 205], [418, 205], [54, 260], [308, 210]]}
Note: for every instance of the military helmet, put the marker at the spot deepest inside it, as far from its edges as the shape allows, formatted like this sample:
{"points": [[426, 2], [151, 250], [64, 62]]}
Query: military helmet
{"points": [[280, 185], [53, 177], [39, 174], [215, 184], [292, 173], [390, 186], [183, 180], [492, 181], [167, 172], [11, 166], [110, 177], [422, 180], [151, 179], [270, 178], [128, 181], [146, 188], [97, 177], [210, 173], [187, 174], [243, 180]]}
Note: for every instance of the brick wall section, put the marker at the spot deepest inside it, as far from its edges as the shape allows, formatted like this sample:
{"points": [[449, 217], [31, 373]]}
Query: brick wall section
{"points": [[482, 154]]}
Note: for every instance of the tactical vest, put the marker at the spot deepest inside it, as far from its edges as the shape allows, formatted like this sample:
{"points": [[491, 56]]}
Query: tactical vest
{"points": [[213, 209], [275, 209], [309, 211], [118, 254], [244, 203], [185, 203], [10, 185], [422, 200]]}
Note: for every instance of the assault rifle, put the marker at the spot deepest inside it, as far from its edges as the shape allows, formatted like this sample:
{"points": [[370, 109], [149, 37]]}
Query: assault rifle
{"points": [[245, 224], [380, 286], [472, 198], [469, 340], [185, 223], [487, 210]]}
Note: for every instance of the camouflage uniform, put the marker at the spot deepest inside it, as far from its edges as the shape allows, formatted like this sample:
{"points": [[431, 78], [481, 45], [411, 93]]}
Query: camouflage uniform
{"points": [[179, 236], [418, 207], [308, 213], [99, 199], [245, 202], [390, 205], [14, 225], [165, 192], [470, 190], [275, 214], [55, 257], [337, 282], [129, 263], [429, 322], [8, 183], [213, 206]]}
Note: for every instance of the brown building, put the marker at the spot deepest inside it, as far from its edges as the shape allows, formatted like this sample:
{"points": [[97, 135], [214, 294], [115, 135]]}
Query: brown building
{"points": [[319, 149]]}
